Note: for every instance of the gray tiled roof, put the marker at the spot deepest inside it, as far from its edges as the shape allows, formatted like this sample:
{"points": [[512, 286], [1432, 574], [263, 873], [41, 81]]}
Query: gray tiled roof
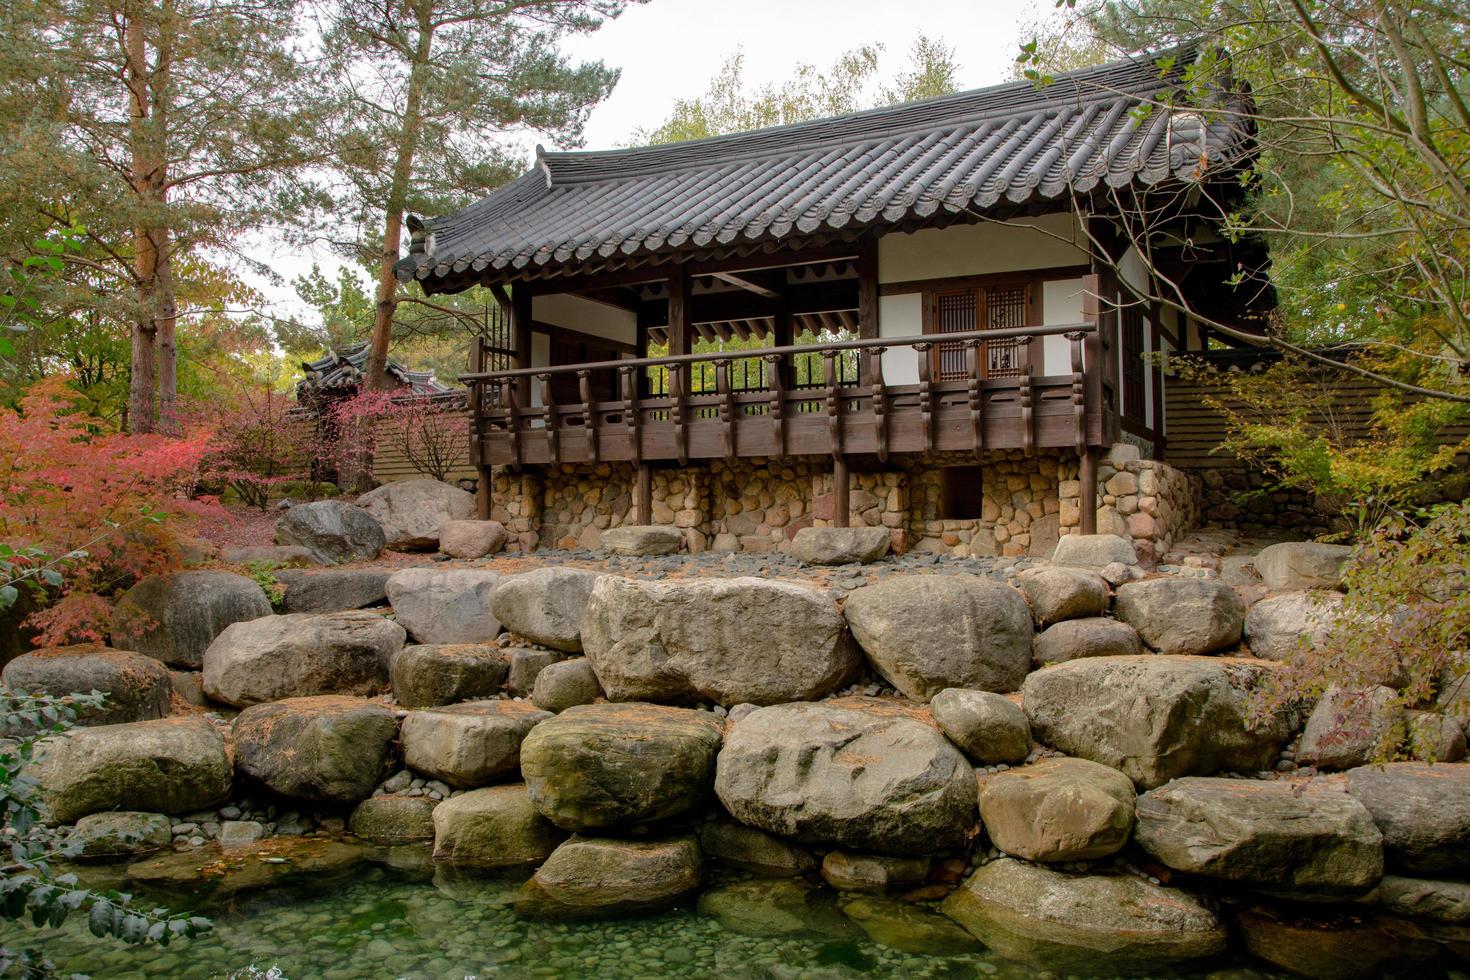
{"points": [[343, 368], [988, 149]]}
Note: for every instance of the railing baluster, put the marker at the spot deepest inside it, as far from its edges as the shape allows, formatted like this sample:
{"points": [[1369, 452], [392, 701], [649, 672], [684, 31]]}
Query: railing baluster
{"points": [[926, 394], [677, 374], [548, 408], [1079, 390], [727, 406], [513, 418], [777, 407], [1028, 433], [873, 357], [973, 354], [584, 387], [834, 406], [632, 414]]}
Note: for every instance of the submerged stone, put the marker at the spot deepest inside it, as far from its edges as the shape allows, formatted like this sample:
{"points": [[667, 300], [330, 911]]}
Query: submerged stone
{"points": [[910, 928], [391, 820], [594, 878], [789, 907]]}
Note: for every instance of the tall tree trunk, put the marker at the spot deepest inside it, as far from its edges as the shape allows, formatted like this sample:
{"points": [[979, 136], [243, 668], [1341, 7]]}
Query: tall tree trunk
{"points": [[145, 253], [165, 310], [408, 140]]}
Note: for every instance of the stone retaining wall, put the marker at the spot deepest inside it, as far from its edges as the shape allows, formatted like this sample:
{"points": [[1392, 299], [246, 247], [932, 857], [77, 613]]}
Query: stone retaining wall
{"points": [[757, 505]]}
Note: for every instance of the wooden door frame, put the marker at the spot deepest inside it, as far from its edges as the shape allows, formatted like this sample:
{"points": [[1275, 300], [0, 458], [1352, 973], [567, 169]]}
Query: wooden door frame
{"points": [[1031, 352]]}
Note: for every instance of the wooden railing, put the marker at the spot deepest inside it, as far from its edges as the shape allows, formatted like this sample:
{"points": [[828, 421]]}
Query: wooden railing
{"points": [[833, 416]]}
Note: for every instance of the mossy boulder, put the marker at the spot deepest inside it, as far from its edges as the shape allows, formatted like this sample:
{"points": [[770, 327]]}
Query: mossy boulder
{"points": [[325, 749]]}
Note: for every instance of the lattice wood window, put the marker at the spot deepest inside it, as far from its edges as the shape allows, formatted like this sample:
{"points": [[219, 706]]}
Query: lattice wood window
{"points": [[987, 308], [1132, 357]]}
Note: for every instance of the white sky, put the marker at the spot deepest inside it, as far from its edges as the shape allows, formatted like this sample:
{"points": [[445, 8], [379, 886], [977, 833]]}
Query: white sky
{"points": [[670, 49]]}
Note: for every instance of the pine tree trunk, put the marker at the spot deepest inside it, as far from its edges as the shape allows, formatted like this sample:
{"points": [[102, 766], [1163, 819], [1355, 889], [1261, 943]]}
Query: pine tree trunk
{"points": [[165, 341], [141, 384]]}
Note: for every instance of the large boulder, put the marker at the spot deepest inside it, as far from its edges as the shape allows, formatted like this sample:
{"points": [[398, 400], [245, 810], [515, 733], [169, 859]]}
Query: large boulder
{"points": [[324, 749], [545, 606], [1059, 593], [754, 850], [410, 511], [1297, 565], [925, 633], [604, 765], [175, 617], [1347, 943], [1349, 727], [1306, 841], [1091, 637], [428, 675], [497, 827], [526, 665], [1058, 810], [564, 684], [1423, 811], [1422, 898], [445, 605], [333, 589], [333, 531], [172, 765], [643, 539], [471, 539], [724, 640], [596, 878], [1094, 551], [281, 555], [120, 834], [989, 728], [138, 688], [1086, 924], [1182, 615], [390, 820], [1282, 625], [471, 744], [1155, 717], [860, 775], [841, 545], [301, 655]]}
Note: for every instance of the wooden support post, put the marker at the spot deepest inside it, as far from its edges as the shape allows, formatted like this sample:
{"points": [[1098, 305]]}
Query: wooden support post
{"points": [[643, 495], [867, 311], [780, 337], [1087, 496], [839, 490], [520, 339], [678, 324], [484, 500]]}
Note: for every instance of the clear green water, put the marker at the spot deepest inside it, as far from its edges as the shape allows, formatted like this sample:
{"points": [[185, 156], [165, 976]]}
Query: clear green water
{"points": [[383, 923]]}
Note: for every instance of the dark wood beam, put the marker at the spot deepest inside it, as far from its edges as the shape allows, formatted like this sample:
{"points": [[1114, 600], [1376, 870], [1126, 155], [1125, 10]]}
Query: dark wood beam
{"points": [[818, 297], [750, 283]]}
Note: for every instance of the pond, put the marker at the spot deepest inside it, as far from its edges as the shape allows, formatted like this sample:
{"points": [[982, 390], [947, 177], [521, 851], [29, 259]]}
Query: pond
{"points": [[382, 922]]}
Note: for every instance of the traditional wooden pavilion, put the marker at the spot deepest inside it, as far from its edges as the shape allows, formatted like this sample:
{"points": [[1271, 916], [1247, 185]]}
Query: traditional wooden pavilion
{"points": [[950, 275]]}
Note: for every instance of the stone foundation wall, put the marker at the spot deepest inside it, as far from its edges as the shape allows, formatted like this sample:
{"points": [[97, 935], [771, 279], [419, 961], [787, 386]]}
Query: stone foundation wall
{"points": [[758, 505], [1250, 501]]}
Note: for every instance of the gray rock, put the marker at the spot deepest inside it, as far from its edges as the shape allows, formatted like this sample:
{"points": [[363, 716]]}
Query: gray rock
{"points": [[468, 745], [120, 834], [1077, 638], [1440, 901], [471, 539], [1239, 570], [410, 511], [175, 617], [1059, 593], [1308, 841], [285, 555], [765, 908], [138, 688], [721, 640], [1283, 625], [497, 827], [562, 685], [989, 728], [908, 927], [526, 666], [1058, 810], [1094, 551], [545, 606], [874, 874], [428, 675], [1181, 615], [841, 545], [1350, 727], [595, 878], [1434, 736], [604, 765], [1423, 811], [925, 633], [325, 749], [651, 539], [333, 589], [332, 531], [390, 820], [754, 850], [852, 773], [1297, 565], [173, 765], [301, 655], [1088, 924], [189, 686], [1328, 944], [445, 605], [240, 833], [1154, 717]]}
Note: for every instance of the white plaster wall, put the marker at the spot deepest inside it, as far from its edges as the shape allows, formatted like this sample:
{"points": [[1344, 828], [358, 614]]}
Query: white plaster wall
{"points": [[1061, 302], [967, 250], [586, 315], [900, 316]]}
